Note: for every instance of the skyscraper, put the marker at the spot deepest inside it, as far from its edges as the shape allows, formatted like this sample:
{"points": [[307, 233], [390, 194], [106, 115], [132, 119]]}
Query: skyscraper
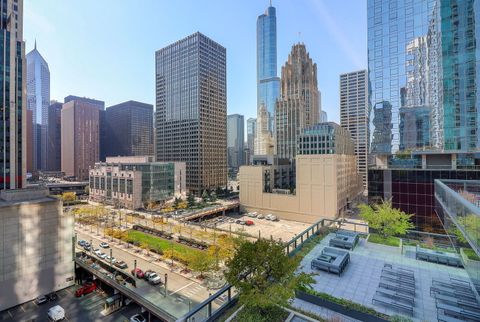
{"points": [[38, 101], [268, 84], [129, 129], [354, 115], [423, 80], [191, 109], [12, 119], [235, 141], [298, 106], [251, 130], [54, 133], [80, 132]]}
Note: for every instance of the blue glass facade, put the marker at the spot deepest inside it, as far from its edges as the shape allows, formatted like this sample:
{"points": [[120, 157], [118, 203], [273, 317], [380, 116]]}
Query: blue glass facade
{"points": [[268, 84], [423, 75]]}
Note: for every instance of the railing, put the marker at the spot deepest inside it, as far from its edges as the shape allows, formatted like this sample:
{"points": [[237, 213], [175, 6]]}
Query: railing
{"points": [[204, 311], [154, 309]]}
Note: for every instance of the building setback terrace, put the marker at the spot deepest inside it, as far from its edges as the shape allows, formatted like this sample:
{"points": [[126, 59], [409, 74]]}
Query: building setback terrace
{"points": [[360, 280]]}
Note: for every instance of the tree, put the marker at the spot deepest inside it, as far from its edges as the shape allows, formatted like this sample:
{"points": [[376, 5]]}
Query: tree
{"points": [[190, 200], [176, 202], [205, 196], [69, 196], [213, 196], [201, 262], [386, 220], [264, 275]]}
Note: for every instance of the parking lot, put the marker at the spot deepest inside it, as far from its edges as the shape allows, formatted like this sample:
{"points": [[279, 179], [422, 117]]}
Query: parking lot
{"points": [[280, 229], [86, 308]]}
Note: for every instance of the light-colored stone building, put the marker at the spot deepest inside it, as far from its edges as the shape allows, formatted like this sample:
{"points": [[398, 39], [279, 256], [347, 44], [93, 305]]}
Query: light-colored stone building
{"points": [[325, 184], [135, 181], [36, 246]]}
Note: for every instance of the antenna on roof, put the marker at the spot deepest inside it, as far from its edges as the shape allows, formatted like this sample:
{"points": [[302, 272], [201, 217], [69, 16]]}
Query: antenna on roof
{"points": [[35, 43], [270, 3]]}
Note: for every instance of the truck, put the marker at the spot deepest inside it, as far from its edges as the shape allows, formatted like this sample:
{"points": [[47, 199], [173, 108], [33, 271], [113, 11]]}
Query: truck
{"points": [[56, 313]]}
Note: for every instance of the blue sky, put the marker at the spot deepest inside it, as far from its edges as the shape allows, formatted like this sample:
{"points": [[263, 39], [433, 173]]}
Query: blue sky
{"points": [[105, 49]]}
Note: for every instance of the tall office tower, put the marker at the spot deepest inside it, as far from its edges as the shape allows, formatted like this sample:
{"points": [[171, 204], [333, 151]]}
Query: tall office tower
{"points": [[354, 115], [264, 143], [38, 101], [323, 116], [268, 84], [12, 121], [80, 132], [424, 121], [298, 106], [235, 141], [54, 134], [129, 129], [251, 130], [191, 109]]}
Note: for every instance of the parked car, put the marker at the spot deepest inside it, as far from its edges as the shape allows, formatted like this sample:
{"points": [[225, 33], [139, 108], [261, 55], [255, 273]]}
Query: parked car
{"points": [[147, 273], [137, 272], [87, 244], [52, 296], [102, 255], [242, 222], [154, 279], [56, 313], [41, 300], [97, 251], [274, 218], [87, 288], [260, 216], [268, 217], [87, 248], [81, 243], [138, 318], [110, 259], [104, 245], [121, 264], [248, 222]]}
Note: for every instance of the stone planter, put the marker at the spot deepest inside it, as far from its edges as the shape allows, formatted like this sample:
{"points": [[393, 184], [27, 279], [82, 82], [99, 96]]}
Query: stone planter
{"points": [[362, 316], [383, 248]]}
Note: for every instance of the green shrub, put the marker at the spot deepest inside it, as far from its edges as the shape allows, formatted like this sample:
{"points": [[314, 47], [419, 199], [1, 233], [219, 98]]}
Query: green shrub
{"points": [[471, 254], [346, 303], [389, 241], [255, 314]]}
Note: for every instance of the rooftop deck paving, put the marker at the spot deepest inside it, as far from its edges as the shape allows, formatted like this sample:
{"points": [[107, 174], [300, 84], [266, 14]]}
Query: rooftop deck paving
{"points": [[360, 279]]}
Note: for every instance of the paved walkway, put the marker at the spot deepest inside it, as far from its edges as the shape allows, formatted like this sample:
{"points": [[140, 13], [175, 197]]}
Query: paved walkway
{"points": [[360, 280]]}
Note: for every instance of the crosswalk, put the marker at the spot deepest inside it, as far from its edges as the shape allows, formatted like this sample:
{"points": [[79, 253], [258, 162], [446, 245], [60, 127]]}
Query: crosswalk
{"points": [[192, 290]]}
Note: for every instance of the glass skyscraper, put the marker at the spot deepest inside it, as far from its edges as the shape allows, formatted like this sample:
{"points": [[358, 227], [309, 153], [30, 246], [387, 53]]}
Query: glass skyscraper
{"points": [[268, 84], [423, 76], [423, 99], [12, 101], [38, 101]]}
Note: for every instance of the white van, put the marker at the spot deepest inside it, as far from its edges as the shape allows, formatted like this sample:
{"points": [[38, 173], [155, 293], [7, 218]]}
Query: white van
{"points": [[56, 313]]}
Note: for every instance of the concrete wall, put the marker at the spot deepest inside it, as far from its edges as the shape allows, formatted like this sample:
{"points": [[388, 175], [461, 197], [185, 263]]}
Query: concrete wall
{"points": [[324, 182], [36, 250]]}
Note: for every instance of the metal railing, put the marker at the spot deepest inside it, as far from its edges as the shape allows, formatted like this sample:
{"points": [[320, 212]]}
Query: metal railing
{"points": [[204, 311]]}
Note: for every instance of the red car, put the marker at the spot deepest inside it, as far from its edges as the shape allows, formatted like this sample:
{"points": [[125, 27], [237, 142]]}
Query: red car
{"points": [[138, 273], [86, 289], [248, 222]]}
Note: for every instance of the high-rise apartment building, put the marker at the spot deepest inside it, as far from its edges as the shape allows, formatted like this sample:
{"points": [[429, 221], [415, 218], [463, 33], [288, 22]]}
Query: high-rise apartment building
{"points": [[235, 141], [354, 115], [298, 106], [129, 129], [191, 109], [80, 133], [38, 101], [268, 84], [12, 120], [424, 121], [251, 130], [54, 134]]}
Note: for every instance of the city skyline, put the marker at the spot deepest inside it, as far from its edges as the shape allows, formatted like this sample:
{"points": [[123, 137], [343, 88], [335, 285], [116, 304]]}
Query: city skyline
{"points": [[344, 36]]}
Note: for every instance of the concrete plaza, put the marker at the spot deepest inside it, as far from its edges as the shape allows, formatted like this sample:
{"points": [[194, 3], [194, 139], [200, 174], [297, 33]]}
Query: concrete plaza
{"points": [[360, 280]]}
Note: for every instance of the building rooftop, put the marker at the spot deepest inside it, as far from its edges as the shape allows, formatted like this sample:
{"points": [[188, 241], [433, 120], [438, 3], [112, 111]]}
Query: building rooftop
{"points": [[23, 196]]}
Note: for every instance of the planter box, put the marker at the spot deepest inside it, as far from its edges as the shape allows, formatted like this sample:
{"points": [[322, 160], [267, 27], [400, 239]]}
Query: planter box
{"points": [[383, 248], [362, 316]]}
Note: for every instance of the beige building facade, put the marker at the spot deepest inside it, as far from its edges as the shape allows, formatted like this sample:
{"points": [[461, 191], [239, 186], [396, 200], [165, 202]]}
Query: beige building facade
{"points": [[36, 246], [325, 184]]}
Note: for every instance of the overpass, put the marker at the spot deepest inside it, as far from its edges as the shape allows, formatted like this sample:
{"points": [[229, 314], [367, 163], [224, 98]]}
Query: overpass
{"points": [[167, 308], [211, 211], [60, 187]]}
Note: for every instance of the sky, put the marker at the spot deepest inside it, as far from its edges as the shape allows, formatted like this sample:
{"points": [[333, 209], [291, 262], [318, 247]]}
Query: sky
{"points": [[105, 49]]}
